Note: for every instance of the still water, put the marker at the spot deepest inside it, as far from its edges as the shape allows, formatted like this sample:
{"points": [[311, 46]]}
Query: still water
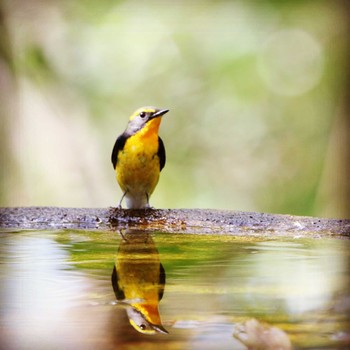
{"points": [[127, 290]]}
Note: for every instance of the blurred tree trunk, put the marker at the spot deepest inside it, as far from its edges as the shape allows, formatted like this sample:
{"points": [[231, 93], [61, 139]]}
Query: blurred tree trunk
{"points": [[8, 105], [346, 126], [334, 195]]}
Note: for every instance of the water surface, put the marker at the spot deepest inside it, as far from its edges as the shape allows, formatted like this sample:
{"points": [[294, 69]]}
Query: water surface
{"points": [[223, 292]]}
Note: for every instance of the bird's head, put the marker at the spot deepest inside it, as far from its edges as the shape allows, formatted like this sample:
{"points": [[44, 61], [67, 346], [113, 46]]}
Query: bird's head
{"points": [[144, 116], [143, 324]]}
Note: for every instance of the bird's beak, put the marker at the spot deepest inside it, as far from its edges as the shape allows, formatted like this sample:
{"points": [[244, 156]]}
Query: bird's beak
{"points": [[159, 113], [160, 329]]}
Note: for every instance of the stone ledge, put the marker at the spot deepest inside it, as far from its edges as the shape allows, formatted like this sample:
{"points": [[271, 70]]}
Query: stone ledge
{"points": [[192, 221]]}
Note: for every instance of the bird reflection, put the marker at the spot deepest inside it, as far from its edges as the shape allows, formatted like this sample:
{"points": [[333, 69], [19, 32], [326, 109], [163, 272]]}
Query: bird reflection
{"points": [[138, 281]]}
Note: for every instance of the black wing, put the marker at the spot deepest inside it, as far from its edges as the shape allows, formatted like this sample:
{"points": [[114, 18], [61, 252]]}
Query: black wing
{"points": [[161, 282], [161, 153], [119, 293], [119, 145]]}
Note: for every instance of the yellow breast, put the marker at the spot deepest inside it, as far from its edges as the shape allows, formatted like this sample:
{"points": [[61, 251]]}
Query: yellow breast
{"points": [[138, 164]]}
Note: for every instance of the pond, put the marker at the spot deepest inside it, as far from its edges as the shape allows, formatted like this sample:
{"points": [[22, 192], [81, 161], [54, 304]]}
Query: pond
{"points": [[125, 290]]}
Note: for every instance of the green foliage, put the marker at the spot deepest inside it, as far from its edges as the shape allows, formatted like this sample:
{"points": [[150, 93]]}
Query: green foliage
{"points": [[252, 89]]}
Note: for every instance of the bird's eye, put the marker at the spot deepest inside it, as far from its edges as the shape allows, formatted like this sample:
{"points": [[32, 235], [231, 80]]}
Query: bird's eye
{"points": [[142, 114], [142, 326]]}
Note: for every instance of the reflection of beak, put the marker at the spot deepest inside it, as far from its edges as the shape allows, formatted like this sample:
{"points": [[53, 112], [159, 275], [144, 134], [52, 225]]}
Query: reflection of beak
{"points": [[160, 329], [159, 113]]}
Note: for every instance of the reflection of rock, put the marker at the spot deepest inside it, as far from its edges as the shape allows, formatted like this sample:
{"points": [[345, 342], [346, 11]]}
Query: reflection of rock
{"points": [[138, 281], [257, 336]]}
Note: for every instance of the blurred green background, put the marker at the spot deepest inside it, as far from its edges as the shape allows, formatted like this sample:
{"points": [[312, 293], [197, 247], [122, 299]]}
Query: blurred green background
{"points": [[258, 93]]}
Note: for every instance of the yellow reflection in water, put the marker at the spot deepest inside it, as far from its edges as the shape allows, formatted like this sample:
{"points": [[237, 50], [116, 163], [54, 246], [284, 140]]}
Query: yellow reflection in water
{"points": [[138, 280]]}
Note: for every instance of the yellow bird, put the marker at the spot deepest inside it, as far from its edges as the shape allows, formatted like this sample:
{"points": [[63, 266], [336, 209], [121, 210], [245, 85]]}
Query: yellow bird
{"points": [[138, 157], [138, 281]]}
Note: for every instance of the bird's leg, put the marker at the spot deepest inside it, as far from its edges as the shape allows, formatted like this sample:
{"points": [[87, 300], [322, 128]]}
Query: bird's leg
{"points": [[123, 237], [147, 197], [120, 203], [147, 204]]}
